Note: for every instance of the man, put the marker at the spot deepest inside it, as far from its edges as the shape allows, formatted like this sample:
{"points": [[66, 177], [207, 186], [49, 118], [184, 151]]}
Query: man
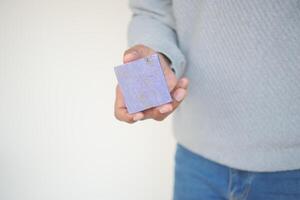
{"points": [[238, 130]]}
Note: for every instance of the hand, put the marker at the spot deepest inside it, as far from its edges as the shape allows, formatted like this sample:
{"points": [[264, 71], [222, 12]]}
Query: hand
{"points": [[178, 89]]}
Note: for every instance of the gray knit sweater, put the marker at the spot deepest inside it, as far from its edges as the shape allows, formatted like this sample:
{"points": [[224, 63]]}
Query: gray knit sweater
{"points": [[243, 61]]}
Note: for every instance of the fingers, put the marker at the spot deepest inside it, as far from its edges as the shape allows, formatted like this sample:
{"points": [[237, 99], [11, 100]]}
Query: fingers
{"points": [[183, 83], [180, 92], [161, 112], [121, 112]]}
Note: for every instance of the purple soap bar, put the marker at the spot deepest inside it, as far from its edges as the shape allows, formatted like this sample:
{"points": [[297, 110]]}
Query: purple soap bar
{"points": [[143, 84]]}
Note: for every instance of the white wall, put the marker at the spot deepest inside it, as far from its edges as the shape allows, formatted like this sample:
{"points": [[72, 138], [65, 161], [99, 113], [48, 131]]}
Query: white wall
{"points": [[58, 137]]}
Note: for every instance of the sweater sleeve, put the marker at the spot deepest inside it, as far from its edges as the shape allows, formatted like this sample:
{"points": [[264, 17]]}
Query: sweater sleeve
{"points": [[153, 25]]}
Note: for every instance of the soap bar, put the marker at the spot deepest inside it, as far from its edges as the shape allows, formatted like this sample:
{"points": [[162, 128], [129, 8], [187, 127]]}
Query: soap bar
{"points": [[143, 84]]}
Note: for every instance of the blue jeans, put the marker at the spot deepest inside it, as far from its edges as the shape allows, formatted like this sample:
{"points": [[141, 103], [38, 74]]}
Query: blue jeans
{"points": [[197, 178]]}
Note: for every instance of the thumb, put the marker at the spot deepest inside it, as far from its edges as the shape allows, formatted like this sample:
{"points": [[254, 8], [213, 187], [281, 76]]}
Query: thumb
{"points": [[130, 55], [136, 52]]}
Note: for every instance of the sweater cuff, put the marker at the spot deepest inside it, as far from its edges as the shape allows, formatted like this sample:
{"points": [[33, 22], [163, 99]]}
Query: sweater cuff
{"points": [[159, 36], [177, 59]]}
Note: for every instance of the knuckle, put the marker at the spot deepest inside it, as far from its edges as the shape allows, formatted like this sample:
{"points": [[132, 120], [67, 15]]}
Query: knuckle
{"points": [[158, 117], [120, 117], [129, 121]]}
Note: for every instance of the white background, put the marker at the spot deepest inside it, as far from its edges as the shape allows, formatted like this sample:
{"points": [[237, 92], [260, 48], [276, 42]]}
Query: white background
{"points": [[58, 136]]}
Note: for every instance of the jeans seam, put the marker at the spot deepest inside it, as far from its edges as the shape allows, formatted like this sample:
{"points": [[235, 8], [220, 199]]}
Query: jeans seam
{"points": [[247, 190], [229, 184]]}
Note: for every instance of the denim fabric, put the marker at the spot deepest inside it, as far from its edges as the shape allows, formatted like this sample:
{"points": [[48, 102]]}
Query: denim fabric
{"points": [[197, 178]]}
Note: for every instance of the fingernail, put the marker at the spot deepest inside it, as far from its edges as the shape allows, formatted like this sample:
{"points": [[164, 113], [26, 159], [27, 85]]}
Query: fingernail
{"points": [[138, 117], [182, 83], [179, 96], [130, 56], [165, 109]]}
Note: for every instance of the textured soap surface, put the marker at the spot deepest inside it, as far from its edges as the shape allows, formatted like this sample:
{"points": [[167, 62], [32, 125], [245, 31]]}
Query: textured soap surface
{"points": [[143, 84]]}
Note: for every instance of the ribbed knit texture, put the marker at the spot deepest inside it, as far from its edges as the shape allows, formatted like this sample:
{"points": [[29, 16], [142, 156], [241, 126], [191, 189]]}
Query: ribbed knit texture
{"points": [[243, 61]]}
